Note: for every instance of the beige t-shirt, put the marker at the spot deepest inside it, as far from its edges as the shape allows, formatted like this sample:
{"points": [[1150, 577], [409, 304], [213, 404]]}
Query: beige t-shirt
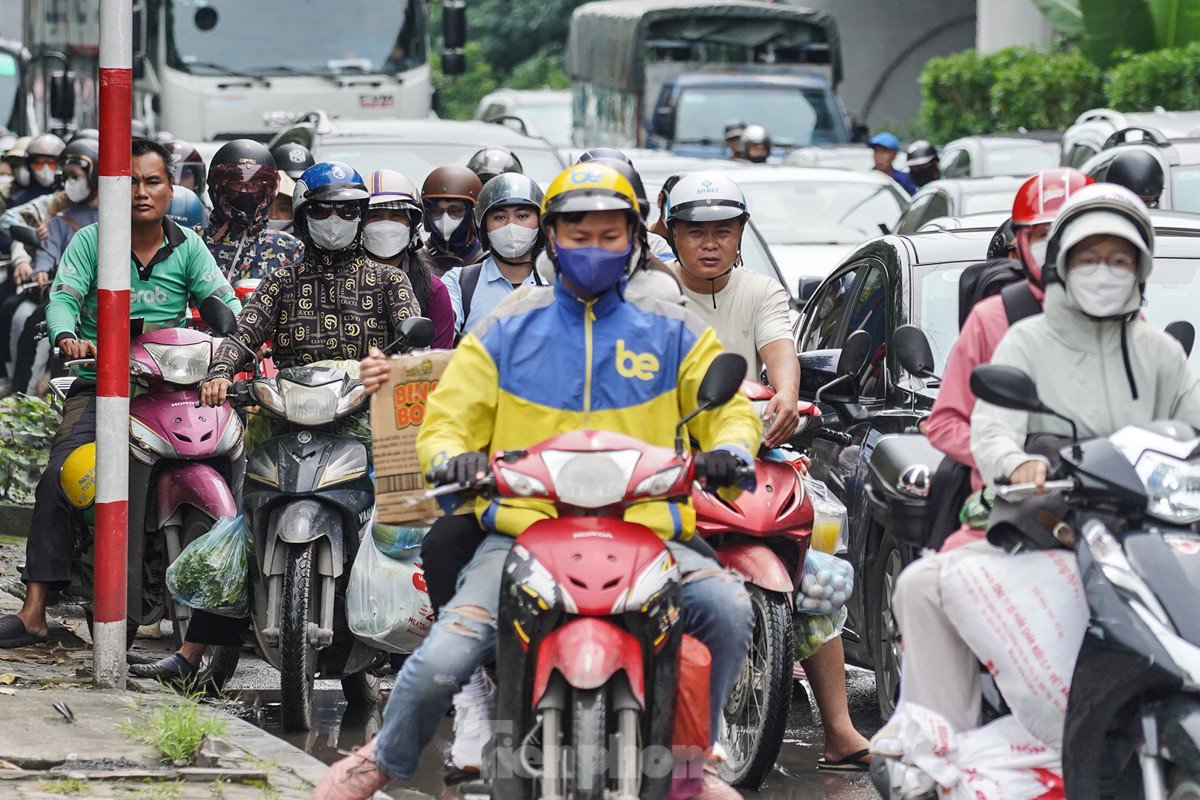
{"points": [[751, 312]]}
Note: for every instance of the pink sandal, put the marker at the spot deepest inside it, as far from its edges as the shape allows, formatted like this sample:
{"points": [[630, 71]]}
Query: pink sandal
{"points": [[355, 777]]}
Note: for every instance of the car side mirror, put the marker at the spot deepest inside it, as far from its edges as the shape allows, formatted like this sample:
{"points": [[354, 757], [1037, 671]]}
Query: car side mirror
{"points": [[1007, 387], [219, 317], [26, 236], [454, 37], [913, 351], [62, 96], [855, 351], [808, 287], [1184, 333], [664, 122]]}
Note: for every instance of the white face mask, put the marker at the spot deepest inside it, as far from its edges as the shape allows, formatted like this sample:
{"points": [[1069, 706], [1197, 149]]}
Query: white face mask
{"points": [[5, 182], [512, 240], [1101, 290], [44, 175], [1037, 251], [77, 189], [386, 238], [22, 175], [447, 225], [333, 233]]}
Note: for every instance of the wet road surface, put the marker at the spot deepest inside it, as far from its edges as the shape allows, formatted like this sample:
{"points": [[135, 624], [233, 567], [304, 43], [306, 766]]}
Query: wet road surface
{"points": [[335, 728]]}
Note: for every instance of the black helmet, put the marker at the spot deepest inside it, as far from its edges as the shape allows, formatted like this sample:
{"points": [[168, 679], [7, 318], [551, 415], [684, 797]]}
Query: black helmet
{"points": [[625, 168], [920, 153], [242, 180], [597, 153], [292, 158], [1001, 241], [493, 160], [1138, 171], [85, 153]]}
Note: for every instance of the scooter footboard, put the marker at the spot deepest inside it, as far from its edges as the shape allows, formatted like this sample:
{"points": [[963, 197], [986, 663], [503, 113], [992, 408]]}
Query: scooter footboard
{"points": [[588, 652]]}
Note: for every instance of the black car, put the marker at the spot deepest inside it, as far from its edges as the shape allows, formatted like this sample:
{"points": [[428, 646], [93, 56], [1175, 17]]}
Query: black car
{"points": [[885, 283]]}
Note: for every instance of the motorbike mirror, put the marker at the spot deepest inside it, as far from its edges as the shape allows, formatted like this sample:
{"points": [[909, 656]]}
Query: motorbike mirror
{"points": [[722, 380], [913, 351], [415, 333], [855, 352], [1007, 387], [1183, 332], [26, 236], [217, 316]]}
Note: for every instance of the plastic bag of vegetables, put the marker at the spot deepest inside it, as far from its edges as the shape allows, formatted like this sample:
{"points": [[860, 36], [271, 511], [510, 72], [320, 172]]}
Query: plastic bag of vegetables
{"points": [[211, 573], [813, 632], [827, 584]]}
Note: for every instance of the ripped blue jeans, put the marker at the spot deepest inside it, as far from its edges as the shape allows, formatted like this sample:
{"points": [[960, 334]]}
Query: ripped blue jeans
{"points": [[716, 610]]}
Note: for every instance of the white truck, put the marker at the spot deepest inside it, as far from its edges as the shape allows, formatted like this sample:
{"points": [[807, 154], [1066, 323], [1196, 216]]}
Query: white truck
{"points": [[223, 69]]}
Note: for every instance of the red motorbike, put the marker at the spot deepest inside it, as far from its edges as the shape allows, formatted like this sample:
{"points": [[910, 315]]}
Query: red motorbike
{"points": [[764, 535], [589, 625]]}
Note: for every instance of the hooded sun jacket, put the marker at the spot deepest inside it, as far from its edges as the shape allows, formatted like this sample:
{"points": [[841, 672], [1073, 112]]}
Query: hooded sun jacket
{"points": [[550, 362], [1079, 366]]}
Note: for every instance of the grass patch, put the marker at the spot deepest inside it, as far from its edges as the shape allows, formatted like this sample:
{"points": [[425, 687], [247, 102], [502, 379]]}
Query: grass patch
{"points": [[175, 730], [159, 791], [65, 786]]}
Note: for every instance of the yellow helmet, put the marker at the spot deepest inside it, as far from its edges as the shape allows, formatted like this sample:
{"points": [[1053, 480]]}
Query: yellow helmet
{"points": [[78, 476], [589, 187]]}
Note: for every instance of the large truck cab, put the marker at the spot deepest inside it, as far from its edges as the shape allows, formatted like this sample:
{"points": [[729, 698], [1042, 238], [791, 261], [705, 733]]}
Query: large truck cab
{"points": [[690, 114]]}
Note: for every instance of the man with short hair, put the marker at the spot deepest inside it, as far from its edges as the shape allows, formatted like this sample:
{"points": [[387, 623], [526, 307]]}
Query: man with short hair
{"points": [[885, 147], [169, 268]]}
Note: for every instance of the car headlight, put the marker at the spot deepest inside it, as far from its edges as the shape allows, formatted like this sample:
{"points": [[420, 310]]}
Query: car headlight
{"points": [[183, 364], [659, 483], [1172, 487], [522, 485], [310, 405], [590, 480]]}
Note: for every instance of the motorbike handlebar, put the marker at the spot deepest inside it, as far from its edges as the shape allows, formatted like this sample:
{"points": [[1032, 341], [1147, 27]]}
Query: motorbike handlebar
{"points": [[1019, 491], [840, 438]]}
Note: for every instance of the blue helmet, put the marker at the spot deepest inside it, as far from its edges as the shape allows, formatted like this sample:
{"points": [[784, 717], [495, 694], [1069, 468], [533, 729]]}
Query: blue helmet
{"points": [[185, 210], [329, 182]]}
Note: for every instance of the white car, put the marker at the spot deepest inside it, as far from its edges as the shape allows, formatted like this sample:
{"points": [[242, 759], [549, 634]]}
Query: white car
{"points": [[541, 112]]}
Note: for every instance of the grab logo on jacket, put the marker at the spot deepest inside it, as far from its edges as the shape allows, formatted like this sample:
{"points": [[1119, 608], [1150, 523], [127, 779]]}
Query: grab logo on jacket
{"points": [[635, 365]]}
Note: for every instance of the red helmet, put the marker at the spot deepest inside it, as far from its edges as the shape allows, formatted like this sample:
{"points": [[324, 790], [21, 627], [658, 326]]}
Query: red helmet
{"points": [[1040, 197]]}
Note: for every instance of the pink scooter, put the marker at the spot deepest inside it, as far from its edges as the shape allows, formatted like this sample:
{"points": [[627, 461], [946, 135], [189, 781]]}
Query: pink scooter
{"points": [[186, 467]]}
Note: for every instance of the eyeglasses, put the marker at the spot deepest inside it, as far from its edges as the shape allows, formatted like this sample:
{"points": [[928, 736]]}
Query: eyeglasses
{"points": [[324, 210]]}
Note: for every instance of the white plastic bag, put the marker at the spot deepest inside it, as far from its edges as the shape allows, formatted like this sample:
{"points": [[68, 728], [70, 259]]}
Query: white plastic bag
{"points": [[386, 599], [827, 584], [999, 761], [1024, 616], [829, 517]]}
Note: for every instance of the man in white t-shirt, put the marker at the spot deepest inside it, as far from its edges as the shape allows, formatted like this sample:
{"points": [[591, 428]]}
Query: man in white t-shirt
{"points": [[706, 215]]}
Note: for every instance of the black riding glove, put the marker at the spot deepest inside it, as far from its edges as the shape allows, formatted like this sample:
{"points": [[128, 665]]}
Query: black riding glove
{"points": [[467, 469], [718, 467]]}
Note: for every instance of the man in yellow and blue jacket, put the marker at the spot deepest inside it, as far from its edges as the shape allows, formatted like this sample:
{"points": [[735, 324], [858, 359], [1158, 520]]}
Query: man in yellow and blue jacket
{"points": [[577, 355]]}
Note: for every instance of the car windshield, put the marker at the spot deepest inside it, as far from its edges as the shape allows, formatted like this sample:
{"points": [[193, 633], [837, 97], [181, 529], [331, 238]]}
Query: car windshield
{"points": [[551, 122], [983, 202], [816, 212], [1173, 293], [1020, 160], [793, 117], [415, 161], [1185, 189], [269, 37]]}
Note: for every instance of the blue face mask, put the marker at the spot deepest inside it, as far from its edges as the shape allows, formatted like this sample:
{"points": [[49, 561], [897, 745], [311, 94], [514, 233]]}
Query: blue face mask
{"points": [[592, 270]]}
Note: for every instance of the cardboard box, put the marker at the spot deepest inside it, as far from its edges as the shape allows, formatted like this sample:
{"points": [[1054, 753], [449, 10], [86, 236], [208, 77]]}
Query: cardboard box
{"points": [[397, 410]]}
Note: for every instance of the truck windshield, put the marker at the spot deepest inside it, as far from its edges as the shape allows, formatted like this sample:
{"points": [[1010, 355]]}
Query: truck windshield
{"points": [[794, 117], [274, 37], [10, 83]]}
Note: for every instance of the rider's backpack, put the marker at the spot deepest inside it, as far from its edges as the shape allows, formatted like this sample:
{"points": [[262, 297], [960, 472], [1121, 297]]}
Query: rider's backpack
{"points": [[1000, 276]]}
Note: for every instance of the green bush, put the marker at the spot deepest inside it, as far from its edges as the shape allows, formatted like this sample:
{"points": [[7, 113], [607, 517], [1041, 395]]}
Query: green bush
{"points": [[27, 425], [1168, 78], [1046, 92], [956, 95]]}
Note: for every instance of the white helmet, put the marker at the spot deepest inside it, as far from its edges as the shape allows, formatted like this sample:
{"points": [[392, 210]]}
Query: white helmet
{"points": [[1101, 208], [390, 189], [705, 197]]}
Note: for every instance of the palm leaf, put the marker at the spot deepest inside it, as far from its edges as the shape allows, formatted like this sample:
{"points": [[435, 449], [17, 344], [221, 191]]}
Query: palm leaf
{"points": [[1176, 22], [1064, 15], [1110, 26]]}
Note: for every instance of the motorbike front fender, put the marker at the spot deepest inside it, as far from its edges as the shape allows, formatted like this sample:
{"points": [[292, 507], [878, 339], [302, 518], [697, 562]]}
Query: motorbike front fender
{"points": [[193, 484], [587, 652], [758, 565], [302, 521]]}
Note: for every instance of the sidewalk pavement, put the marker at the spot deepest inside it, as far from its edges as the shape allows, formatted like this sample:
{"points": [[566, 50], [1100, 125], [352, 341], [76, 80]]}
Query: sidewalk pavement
{"points": [[46, 756]]}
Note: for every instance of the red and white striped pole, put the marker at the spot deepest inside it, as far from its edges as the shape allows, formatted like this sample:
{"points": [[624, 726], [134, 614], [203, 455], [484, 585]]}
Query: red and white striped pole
{"points": [[112, 384]]}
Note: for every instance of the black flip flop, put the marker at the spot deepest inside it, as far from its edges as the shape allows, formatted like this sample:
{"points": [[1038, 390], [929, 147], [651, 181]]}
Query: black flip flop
{"points": [[851, 763], [13, 633]]}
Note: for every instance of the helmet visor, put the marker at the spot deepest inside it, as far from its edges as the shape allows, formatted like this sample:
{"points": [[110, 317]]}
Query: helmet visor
{"points": [[706, 210]]}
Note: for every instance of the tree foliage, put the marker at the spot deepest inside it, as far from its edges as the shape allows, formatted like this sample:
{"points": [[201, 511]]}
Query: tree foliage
{"points": [[1167, 78], [1105, 28]]}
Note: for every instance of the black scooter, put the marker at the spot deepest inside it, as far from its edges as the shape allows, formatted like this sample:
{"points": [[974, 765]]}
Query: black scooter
{"points": [[1133, 717], [308, 500]]}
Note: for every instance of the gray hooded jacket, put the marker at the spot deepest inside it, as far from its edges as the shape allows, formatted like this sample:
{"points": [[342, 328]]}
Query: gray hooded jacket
{"points": [[1084, 370]]}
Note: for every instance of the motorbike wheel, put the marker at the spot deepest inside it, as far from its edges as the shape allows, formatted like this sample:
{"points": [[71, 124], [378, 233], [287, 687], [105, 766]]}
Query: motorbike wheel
{"points": [[588, 726], [297, 658], [219, 662], [1183, 785], [361, 689], [885, 631], [755, 716]]}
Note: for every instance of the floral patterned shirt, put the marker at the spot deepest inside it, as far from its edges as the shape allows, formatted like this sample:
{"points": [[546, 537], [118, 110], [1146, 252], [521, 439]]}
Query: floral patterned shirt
{"points": [[249, 253]]}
